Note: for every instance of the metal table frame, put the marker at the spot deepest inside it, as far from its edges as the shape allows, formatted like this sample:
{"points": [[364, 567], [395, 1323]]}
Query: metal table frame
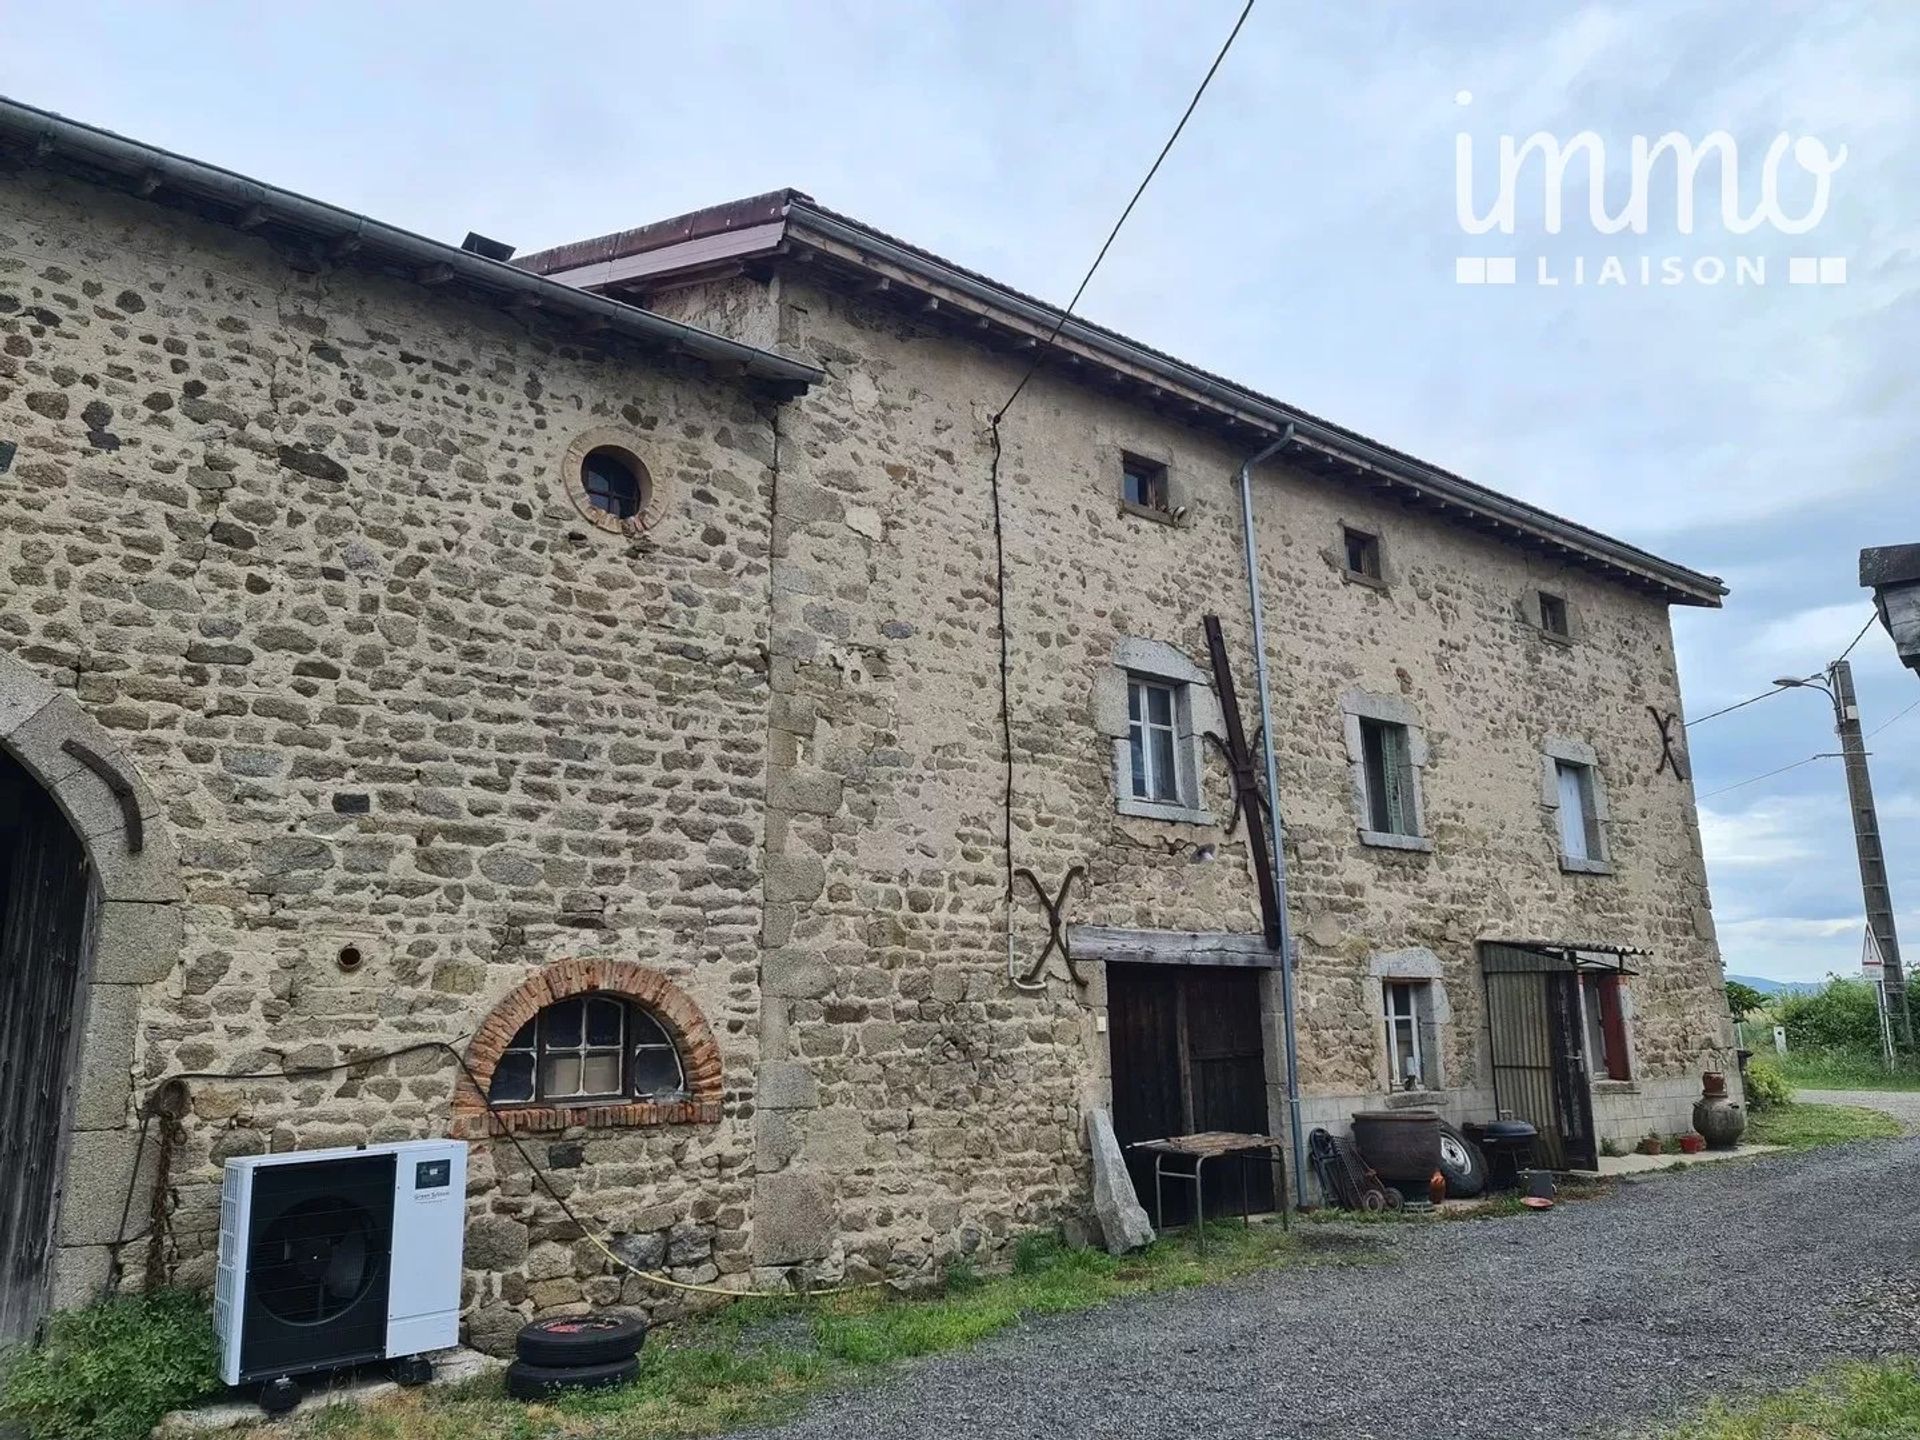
{"points": [[1212, 1145]]}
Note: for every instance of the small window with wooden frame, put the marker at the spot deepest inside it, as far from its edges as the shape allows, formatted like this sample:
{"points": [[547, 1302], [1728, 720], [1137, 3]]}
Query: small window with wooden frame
{"points": [[1144, 487], [1362, 553], [1555, 619], [1603, 999]]}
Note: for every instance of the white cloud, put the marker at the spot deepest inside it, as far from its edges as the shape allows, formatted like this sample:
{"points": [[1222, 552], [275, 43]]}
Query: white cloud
{"points": [[1772, 833]]}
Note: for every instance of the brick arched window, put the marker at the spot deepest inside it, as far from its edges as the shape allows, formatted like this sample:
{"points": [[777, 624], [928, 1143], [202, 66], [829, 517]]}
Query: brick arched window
{"points": [[590, 1042]]}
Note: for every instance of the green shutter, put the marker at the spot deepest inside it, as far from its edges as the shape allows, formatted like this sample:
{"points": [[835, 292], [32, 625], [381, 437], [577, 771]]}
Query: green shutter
{"points": [[1398, 771]]}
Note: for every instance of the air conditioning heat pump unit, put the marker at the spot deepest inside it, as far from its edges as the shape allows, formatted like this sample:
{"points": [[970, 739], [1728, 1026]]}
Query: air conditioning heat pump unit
{"points": [[332, 1258]]}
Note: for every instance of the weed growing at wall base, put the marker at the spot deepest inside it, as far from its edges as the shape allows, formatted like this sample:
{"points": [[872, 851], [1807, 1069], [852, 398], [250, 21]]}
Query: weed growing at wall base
{"points": [[109, 1372]]}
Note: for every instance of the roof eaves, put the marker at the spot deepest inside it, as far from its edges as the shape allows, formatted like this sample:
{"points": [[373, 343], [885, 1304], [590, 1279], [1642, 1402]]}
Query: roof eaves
{"points": [[848, 239], [48, 138]]}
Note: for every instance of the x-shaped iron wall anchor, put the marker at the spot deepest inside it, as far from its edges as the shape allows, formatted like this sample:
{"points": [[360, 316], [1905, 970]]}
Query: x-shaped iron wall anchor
{"points": [[1233, 782], [1057, 926], [1665, 719]]}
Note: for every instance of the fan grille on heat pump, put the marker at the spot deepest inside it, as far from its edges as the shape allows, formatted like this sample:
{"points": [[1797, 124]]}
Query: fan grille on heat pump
{"points": [[318, 1265], [315, 1261]]}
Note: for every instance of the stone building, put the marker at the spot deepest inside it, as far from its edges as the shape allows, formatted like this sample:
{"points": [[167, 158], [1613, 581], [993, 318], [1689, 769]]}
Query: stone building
{"points": [[596, 664]]}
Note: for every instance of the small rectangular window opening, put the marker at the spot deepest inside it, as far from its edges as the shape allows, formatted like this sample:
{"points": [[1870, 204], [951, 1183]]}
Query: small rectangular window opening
{"points": [[1363, 553], [1143, 482], [1406, 1059], [1387, 753], [1153, 741], [1579, 825], [1553, 615], [1607, 1057]]}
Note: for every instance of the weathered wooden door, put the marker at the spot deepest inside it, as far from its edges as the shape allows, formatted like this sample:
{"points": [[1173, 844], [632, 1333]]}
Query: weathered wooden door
{"points": [[1188, 1056], [45, 917]]}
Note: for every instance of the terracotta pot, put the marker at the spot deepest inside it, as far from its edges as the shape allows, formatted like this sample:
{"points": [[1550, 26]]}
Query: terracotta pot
{"points": [[1692, 1143], [1720, 1120], [1651, 1146], [1712, 1082]]}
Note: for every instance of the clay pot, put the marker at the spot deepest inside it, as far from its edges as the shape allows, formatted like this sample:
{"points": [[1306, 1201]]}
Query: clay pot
{"points": [[1712, 1082], [1720, 1120], [1692, 1143], [1651, 1146]]}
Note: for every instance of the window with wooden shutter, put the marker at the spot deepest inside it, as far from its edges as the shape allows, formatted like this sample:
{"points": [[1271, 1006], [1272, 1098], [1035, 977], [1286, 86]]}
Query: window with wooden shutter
{"points": [[1389, 778]]}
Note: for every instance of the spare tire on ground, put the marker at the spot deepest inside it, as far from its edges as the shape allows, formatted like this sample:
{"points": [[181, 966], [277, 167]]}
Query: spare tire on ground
{"points": [[541, 1382], [1462, 1163], [566, 1341]]}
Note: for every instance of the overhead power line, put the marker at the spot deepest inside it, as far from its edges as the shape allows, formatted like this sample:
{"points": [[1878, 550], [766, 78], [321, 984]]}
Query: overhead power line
{"points": [[1872, 615], [1825, 755], [1114, 233], [1778, 689], [993, 472]]}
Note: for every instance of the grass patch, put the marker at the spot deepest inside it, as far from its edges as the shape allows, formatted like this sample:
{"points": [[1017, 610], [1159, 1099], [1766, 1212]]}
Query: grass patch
{"points": [[1842, 1070], [1801, 1127], [1856, 1402], [758, 1360]]}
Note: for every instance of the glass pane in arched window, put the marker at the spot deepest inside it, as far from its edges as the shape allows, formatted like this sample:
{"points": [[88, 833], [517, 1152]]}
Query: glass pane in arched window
{"points": [[656, 1071], [512, 1078]]}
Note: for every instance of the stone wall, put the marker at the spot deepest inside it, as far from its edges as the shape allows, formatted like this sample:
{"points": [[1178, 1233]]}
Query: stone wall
{"points": [[296, 536], [937, 1096]]}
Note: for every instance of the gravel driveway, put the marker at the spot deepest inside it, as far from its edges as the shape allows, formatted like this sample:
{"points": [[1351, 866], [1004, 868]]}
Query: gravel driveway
{"points": [[1596, 1317]]}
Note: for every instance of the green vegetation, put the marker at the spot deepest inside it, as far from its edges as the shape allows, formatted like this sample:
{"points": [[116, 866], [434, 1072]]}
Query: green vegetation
{"points": [[1742, 998], [109, 1372], [1856, 1402], [1843, 1070], [1801, 1127], [1767, 1085], [757, 1360]]}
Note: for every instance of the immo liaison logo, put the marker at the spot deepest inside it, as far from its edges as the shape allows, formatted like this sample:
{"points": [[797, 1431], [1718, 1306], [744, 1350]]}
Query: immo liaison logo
{"points": [[1662, 188]]}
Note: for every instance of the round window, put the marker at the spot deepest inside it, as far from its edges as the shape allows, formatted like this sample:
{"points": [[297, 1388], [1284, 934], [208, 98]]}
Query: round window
{"points": [[611, 481], [610, 485]]}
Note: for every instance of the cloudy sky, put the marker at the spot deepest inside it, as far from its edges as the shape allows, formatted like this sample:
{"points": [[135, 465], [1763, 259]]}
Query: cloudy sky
{"points": [[1302, 239]]}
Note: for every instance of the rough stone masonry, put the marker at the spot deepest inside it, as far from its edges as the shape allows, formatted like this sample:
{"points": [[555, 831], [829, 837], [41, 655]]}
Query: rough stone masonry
{"points": [[301, 544]]}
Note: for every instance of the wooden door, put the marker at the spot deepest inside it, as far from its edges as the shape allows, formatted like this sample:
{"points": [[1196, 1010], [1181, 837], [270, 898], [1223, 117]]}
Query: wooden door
{"points": [[45, 915], [1188, 1056]]}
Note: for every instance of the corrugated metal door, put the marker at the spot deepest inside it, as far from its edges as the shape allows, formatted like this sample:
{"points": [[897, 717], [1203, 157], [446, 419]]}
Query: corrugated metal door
{"points": [[46, 913], [1539, 1071]]}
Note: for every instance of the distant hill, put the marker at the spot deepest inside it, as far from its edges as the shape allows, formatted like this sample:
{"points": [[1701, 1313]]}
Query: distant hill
{"points": [[1778, 987]]}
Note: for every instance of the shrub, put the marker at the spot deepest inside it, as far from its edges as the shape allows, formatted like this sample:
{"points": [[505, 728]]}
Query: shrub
{"points": [[1743, 999], [109, 1372], [1843, 1015], [1767, 1086]]}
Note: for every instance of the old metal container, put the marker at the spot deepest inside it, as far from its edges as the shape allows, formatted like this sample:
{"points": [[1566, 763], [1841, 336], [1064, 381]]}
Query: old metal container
{"points": [[1403, 1146], [1715, 1115]]}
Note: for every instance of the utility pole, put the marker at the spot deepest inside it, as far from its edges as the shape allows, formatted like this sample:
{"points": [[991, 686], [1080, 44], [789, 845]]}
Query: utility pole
{"points": [[1866, 838]]}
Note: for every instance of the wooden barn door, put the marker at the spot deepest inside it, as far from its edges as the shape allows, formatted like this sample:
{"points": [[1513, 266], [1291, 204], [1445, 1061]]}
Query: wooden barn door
{"points": [[1188, 1057], [45, 917]]}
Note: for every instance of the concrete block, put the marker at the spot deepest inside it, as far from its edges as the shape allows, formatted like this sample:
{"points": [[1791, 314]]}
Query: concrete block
{"points": [[795, 974], [793, 1217], [138, 941], [96, 1190], [105, 1079], [787, 1086], [797, 875], [79, 1274], [22, 694]]}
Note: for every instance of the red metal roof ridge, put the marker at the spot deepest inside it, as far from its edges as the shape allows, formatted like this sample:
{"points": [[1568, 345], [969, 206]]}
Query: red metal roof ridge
{"points": [[712, 220]]}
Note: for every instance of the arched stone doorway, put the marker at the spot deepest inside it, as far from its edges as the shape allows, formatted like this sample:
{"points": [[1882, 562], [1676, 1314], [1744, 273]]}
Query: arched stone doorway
{"points": [[90, 911]]}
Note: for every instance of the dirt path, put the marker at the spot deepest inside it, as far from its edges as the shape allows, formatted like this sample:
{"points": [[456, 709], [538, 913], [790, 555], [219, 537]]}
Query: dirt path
{"points": [[1596, 1317]]}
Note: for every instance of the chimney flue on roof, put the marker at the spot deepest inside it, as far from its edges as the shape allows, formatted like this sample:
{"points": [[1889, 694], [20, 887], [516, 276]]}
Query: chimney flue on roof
{"points": [[479, 244]]}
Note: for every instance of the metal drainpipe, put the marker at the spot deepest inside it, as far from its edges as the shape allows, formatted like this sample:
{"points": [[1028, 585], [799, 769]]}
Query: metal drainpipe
{"points": [[1278, 833]]}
